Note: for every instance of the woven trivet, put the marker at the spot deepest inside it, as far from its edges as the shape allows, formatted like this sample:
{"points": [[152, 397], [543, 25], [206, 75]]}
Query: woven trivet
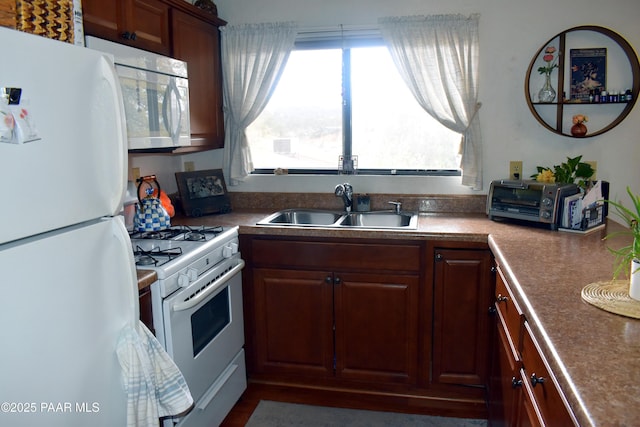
{"points": [[612, 296]]}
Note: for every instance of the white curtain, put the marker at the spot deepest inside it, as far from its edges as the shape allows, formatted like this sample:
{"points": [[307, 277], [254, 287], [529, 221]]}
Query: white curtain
{"points": [[437, 57], [253, 58]]}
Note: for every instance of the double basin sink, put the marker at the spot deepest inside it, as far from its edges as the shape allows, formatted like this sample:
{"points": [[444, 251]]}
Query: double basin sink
{"points": [[323, 218]]}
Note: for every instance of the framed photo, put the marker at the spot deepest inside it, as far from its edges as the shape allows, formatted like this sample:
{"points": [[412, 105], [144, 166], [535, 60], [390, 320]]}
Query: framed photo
{"points": [[588, 72], [203, 192]]}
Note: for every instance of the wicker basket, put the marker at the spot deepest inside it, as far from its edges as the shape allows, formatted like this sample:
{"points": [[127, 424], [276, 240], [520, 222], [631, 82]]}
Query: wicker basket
{"points": [[49, 18]]}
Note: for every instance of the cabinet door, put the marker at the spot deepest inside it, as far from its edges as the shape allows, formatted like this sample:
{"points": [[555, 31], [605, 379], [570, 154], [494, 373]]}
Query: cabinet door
{"points": [[143, 24], [149, 21], [293, 322], [102, 19], [376, 327], [198, 43], [146, 313], [505, 385], [541, 384], [462, 292]]}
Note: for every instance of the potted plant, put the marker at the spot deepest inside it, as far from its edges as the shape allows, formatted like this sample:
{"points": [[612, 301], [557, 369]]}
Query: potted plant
{"points": [[566, 173], [628, 257]]}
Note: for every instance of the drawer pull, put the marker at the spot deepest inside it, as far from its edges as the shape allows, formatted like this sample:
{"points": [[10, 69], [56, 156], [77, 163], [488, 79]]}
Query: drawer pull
{"points": [[515, 382], [536, 380], [501, 298]]}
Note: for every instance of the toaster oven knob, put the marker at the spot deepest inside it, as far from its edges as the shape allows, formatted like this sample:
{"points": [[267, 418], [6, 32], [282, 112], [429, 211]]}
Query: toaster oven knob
{"points": [[547, 202], [546, 214]]}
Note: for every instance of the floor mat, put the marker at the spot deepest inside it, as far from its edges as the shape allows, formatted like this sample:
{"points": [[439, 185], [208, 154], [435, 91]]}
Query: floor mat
{"points": [[272, 414]]}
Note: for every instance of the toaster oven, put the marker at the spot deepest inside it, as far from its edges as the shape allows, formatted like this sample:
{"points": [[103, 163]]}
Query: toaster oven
{"points": [[528, 200]]}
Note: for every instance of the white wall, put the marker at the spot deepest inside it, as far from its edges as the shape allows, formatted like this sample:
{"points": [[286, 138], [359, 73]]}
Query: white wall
{"points": [[511, 32]]}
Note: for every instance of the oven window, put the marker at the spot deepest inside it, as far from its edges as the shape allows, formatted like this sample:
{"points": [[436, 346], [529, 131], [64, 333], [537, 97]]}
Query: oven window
{"points": [[209, 320]]}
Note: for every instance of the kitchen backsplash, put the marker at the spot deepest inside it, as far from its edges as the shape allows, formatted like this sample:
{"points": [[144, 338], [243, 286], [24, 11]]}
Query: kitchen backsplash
{"points": [[419, 202]]}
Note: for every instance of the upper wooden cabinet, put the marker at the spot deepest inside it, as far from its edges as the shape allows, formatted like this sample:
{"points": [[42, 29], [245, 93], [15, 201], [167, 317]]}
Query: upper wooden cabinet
{"points": [[198, 43], [140, 23]]}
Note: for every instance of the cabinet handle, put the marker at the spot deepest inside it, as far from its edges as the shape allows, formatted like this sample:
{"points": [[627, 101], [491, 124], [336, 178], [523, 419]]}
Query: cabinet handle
{"points": [[515, 383], [328, 279], [337, 281], [129, 36], [501, 298], [439, 257], [492, 310], [536, 380], [494, 269]]}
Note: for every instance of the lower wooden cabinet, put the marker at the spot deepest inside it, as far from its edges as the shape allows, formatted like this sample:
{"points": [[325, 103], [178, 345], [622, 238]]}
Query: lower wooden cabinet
{"points": [[336, 323], [461, 322], [522, 389], [146, 313], [378, 322]]}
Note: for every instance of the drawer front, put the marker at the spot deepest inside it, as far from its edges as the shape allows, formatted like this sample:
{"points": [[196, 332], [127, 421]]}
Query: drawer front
{"points": [[354, 256], [508, 310], [542, 384]]}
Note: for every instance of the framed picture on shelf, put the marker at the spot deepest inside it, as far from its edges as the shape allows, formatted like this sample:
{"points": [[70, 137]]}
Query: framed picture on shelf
{"points": [[588, 72], [203, 192]]}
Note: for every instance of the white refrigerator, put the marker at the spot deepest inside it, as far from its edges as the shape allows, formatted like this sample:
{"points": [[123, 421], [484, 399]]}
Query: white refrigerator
{"points": [[68, 281]]}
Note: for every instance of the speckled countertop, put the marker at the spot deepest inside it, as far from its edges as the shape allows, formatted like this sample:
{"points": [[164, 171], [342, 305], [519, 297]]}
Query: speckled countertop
{"points": [[595, 355]]}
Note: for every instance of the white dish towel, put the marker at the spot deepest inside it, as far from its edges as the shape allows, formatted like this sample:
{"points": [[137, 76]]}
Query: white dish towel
{"points": [[155, 386]]}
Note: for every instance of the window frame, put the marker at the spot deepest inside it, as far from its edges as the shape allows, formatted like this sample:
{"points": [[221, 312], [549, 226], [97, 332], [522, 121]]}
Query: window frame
{"points": [[340, 42]]}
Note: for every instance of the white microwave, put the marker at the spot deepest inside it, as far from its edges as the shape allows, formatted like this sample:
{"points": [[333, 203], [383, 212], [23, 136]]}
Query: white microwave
{"points": [[155, 91]]}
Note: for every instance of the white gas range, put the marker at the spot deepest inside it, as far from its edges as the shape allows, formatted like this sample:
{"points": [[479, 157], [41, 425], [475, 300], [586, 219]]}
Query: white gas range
{"points": [[197, 312]]}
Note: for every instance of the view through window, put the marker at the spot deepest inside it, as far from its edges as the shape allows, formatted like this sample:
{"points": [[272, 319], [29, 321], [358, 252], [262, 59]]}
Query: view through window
{"points": [[302, 126]]}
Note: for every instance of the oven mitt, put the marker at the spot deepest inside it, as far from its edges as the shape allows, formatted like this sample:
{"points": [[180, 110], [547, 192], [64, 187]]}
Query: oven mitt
{"points": [[154, 385]]}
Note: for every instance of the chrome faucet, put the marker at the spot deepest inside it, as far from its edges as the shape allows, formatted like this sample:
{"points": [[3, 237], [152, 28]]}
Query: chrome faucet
{"points": [[346, 192]]}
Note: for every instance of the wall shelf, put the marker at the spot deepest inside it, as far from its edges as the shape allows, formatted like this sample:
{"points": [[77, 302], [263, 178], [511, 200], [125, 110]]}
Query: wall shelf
{"points": [[622, 64]]}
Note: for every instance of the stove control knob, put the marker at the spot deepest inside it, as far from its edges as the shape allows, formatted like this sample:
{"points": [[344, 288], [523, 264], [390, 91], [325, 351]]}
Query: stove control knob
{"points": [[192, 273], [183, 280], [234, 248], [227, 251]]}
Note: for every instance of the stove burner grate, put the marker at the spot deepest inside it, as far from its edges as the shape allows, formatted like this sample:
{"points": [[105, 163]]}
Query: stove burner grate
{"points": [[155, 256], [180, 232]]}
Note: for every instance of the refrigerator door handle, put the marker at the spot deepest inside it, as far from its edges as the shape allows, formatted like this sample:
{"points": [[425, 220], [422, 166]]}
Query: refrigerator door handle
{"points": [[122, 235], [109, 74]]}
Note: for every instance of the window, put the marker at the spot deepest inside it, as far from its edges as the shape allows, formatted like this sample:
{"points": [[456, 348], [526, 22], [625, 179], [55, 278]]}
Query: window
{"points": [[306, 126]]}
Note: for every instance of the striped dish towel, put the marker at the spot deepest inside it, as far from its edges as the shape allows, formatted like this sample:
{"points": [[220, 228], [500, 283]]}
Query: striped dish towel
{"points": [[155, 386]]}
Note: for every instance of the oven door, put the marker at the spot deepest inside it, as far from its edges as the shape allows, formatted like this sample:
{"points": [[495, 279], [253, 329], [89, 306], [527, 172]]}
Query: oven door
{"points": [[204, 328]]}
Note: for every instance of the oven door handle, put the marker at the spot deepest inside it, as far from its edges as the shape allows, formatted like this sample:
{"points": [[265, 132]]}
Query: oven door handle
{"points": [[185, 305]]}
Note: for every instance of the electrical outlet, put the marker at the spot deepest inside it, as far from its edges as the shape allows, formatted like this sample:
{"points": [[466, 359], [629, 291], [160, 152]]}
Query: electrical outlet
{"points": [[515, 169], [189, 167], [135, 174], [594, 165]]}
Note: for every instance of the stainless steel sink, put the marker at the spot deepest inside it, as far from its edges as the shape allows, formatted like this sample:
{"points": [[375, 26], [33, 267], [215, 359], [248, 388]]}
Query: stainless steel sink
{"points": [[379, 219], [304, 217], [322, 218]]}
